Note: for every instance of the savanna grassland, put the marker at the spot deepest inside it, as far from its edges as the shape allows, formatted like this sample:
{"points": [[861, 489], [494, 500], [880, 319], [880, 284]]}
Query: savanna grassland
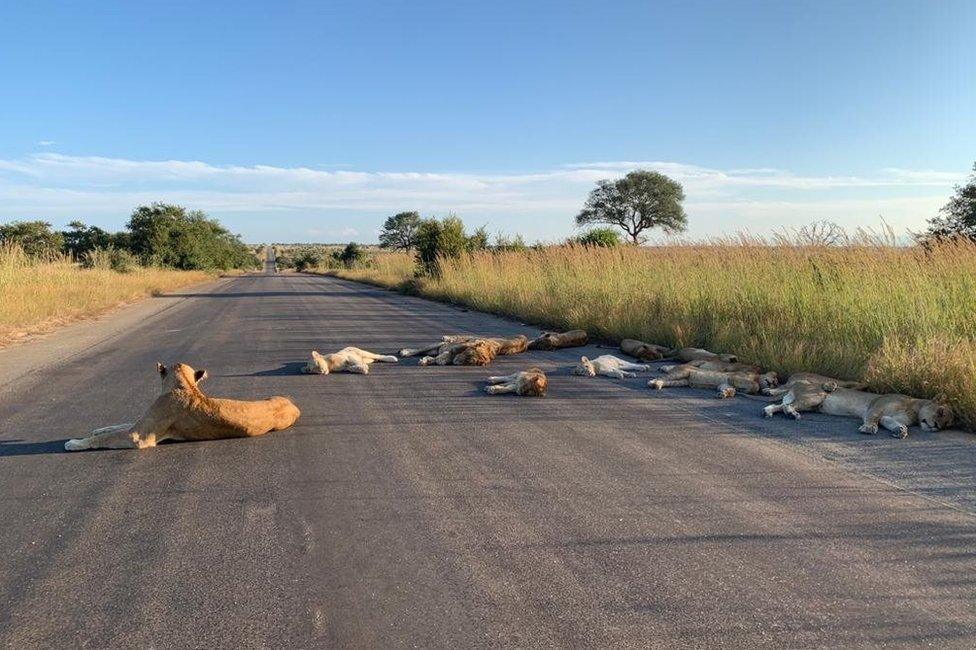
{"points": [[900, 318], [40, 294]]}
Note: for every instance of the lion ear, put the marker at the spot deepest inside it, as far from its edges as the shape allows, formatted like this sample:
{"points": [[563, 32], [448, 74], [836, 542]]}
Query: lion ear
{"points": [[584, 360], [199, 375], [315, 353], [941, 398], [161, 369]]}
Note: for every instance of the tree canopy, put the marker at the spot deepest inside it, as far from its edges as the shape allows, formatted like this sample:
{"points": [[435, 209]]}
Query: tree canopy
{"points": [[638, 201], [35, 237], [399, 231]]}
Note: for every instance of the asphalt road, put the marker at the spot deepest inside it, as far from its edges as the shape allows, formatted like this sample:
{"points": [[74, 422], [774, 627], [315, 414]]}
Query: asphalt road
{"points": [[408, 509]]}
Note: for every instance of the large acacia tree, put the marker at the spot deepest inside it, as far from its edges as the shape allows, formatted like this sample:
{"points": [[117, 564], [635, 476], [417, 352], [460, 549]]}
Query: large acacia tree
{"points": [[638, 201], [400, 231]]}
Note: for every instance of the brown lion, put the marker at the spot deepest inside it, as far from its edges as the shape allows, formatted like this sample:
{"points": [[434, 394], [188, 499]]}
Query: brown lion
{"points": [[558, 341], [466, 350], [727, 383], [183, 412], [527, 383], [644, 351]]}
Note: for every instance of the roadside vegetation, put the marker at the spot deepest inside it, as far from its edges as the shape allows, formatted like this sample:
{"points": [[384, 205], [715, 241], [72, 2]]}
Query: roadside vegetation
{"points": [[50, 277], [864, 306], [39, 293]]}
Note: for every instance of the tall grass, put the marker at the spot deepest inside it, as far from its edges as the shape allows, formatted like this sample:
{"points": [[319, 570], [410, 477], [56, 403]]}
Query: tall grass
{"points": [[900, 318], [37, 295]]}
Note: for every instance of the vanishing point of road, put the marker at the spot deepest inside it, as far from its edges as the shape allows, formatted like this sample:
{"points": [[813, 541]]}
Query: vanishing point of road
{"points": [[407, 508]]}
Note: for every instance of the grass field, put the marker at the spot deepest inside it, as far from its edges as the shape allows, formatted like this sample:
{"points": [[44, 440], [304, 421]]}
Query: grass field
{"points": [[38, 296], [900, 318]]}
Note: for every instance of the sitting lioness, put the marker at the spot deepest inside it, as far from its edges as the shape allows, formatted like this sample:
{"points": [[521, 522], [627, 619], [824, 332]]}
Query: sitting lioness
{"points": [[527, 383], [183, 412], [609, 366], [726, 382], [345, 360], [894, 412], [557, 341], [644, 351]]}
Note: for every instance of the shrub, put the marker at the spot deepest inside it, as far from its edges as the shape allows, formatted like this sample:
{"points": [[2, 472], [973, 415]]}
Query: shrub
{"points": [[437, 240], [599, 237], [307, 260]]}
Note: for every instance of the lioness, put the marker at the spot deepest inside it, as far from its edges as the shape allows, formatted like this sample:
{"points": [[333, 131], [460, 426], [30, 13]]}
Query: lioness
{"points": [[609, 366], [345, 360], [726, 382], [183, 412], [812, 378], [644, 351], [503, 346], [712, 364], [528, 383], [558, 341], [894, 412], [699, 354]]}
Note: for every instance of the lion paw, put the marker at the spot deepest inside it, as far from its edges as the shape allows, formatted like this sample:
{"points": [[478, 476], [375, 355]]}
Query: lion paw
{"points": [[656, 384], [76, 444], [901, 434], [869, 429], [768, 412], [727, 393]]}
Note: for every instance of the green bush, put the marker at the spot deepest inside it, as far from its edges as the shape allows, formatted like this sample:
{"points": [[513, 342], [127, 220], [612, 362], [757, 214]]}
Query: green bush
{"points": [[436, 240], [605, 237], [307, 260], [109, 259]]}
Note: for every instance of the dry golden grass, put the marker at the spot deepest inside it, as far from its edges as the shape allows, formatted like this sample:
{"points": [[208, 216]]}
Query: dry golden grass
{"points": [[38, 296], [900, 318]]}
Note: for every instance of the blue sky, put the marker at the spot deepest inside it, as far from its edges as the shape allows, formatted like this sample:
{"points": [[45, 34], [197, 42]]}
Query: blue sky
{"points": [[307, 121]]}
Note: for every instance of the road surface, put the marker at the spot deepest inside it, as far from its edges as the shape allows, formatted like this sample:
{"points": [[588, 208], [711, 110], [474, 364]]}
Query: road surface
{"points": [[408, 509]]}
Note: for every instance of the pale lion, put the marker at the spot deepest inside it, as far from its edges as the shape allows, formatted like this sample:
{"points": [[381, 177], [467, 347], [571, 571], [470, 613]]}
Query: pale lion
{"points": [[345, 360], [812, 378], [699, 354], [727, 383], [712, 364], [894, 412], [183, 412], [559, 340], [528, 383], [609, 366]]}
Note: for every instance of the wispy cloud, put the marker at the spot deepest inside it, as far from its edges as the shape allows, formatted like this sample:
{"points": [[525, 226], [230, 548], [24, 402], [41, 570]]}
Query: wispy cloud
{"points": [[539, 203], [46, 143]]}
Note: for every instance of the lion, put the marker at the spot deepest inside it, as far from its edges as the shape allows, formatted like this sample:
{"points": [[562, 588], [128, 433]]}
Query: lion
{"points": [[183, 412], [712, 364], [812, 378], [503, 346], [609, 366], [527, 383], [894, 412], [556, 341], [698, 354], [726, 382], [644, 351], [345, 360]]}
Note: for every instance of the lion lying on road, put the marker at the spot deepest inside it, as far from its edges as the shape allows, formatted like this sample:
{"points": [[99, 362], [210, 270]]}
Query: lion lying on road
{"points": [[557, 341], [644, 351], [466, 350], [726, 382], [345, 360], [527, 383], [183, 412], [711, 364], [609, 366], [812, 378], [894, 412]]}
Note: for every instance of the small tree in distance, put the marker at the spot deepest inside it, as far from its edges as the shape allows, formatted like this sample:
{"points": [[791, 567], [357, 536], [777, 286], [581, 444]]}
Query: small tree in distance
{"points": [[957, 218], [605, 237], [400, 231], [638, 201]]}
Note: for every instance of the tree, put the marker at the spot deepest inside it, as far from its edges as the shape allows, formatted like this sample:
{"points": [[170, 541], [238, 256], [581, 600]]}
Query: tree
{"points": [[400, 231], [79, 239], [605, 237], [438, 240], [35, 237], [957, 218], [478, 241], [171, 235], [353, 255], [638, 201]]}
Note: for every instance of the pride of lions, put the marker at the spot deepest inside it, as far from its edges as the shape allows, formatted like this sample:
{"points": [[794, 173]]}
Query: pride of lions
{"points": [[183, 412]]}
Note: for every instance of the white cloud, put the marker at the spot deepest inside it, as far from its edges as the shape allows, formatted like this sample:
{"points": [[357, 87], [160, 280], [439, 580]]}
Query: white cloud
{"points": [[46, 143], [539, 203]]}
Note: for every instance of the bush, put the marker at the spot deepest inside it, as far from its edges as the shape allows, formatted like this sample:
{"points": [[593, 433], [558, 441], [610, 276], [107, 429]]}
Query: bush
{"points": [[437, 240], [352, 256], [307, 260], [605, 237]]}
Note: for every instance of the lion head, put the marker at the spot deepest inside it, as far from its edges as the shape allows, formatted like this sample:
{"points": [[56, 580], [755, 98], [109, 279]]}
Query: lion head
{"points": [[935, 415], [767, 380], [317, 365], [179, 375], [479, 353], [584, 368]]}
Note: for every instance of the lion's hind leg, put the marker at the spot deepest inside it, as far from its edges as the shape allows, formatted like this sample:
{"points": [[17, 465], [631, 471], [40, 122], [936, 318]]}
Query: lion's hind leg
{"points": [[502, 379], [498, 389], [896, 425], [120, 436]]}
